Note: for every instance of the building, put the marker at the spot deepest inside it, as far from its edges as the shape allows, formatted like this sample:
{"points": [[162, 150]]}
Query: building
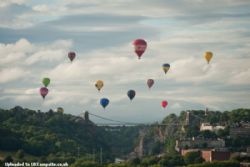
{"points": [[215, 155], [242, 130], [185, 151], [195, 143], [208, 126]]}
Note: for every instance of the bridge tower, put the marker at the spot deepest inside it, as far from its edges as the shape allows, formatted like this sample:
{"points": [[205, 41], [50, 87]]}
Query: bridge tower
{"points": [[187, 121], [206, 111], [86, 116]]}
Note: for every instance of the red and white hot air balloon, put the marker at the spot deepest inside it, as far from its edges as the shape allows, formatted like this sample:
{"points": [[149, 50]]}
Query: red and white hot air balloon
{"points": [[164, 103]]}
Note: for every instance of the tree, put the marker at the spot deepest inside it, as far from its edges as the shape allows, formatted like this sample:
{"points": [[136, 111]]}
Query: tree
{"points": [[135, 162], [193, 157], [172, 160], [217, 164], [8, 158], [20, 154], [207, 134], [84, 163]]}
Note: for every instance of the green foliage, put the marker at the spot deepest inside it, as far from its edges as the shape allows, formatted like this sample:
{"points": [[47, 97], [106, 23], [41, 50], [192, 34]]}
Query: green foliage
{"points": [[207, 134], [8, 158], [217, 164], [84, 163], [173, 160], [20, 154], [45, 137], [149, 161], [170, 145], [56, 136], [134, 162], [193, 157], [118, 165]]}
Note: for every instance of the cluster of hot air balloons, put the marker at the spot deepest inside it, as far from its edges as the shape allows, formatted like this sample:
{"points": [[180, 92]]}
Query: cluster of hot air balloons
{"points": [[46, 81], [44, 90], [140, 46]]}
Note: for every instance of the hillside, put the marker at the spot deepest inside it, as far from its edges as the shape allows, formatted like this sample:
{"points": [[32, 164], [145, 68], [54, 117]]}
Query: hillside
{"points": [[53, 135], [29, 135]]}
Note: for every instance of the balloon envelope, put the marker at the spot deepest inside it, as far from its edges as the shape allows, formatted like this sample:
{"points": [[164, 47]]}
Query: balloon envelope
{"points": [[99, 84], [60, 110], [44, 91], [71, 56], [164, 103], [46, 81], [140, 45], [104, 102], [165, 67], [131, 94], [208, 56], [150, 83]]}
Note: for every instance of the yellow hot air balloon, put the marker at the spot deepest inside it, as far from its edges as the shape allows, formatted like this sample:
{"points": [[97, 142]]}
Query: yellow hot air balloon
{"points": [[165, 67], [60, 110], [208, 56], [99, 84]]}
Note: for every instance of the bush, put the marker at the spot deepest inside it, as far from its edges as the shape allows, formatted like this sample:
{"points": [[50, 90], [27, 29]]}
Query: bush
{"points": [[217, 164], [20, 154], [8, 158], [193, 157]]}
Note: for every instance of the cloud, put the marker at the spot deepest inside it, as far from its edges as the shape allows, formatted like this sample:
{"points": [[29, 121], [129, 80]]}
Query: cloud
{"points": [[36, 37], [41, 8], [5, 3], [11, 74]]}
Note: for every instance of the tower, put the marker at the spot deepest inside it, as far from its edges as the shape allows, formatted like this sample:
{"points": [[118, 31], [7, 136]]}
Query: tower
{"points": [[86, 116], [187, 118], [206, 111]]}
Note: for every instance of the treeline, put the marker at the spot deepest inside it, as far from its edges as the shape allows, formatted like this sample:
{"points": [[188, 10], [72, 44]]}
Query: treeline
{"points": [[27, 135], [53, 136]]}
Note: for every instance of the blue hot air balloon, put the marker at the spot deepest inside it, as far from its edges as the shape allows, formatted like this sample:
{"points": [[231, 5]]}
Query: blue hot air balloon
{"points": [[104, 102], [131, 94]]}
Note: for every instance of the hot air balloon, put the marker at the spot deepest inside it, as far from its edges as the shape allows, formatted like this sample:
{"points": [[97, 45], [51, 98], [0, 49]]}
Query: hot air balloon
{"points": [[164, 103], [131, 94], [140, 46], [208, 56], [46, 81], [44, 91], [60, 110], [71, 56], [104, 102], [150, 83], [165, 67], [99, 84]]}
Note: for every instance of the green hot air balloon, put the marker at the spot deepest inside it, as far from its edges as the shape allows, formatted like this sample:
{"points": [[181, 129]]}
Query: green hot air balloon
{"points": [[46, 81]]}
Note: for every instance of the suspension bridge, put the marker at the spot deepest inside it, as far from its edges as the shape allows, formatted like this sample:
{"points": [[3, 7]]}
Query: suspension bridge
{"points": [[113, 122]]}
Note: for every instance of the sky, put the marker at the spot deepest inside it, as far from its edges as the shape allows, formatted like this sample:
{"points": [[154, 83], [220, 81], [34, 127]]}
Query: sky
{"points": [[36, 36]]}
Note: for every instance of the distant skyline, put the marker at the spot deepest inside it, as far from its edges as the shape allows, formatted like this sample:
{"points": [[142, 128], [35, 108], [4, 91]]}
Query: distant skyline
{"points": [[36, 37]]}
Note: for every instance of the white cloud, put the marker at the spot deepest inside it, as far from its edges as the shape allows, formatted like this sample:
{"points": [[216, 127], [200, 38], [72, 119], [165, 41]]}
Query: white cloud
{"points": [[186, 29], [41, 8], [12, 74], [5, 3]]}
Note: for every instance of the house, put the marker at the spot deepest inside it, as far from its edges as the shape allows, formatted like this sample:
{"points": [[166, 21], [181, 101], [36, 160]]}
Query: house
{"points": [[185, 151], [195, 143], [208, 126], [241, 130], [215, 155]]}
